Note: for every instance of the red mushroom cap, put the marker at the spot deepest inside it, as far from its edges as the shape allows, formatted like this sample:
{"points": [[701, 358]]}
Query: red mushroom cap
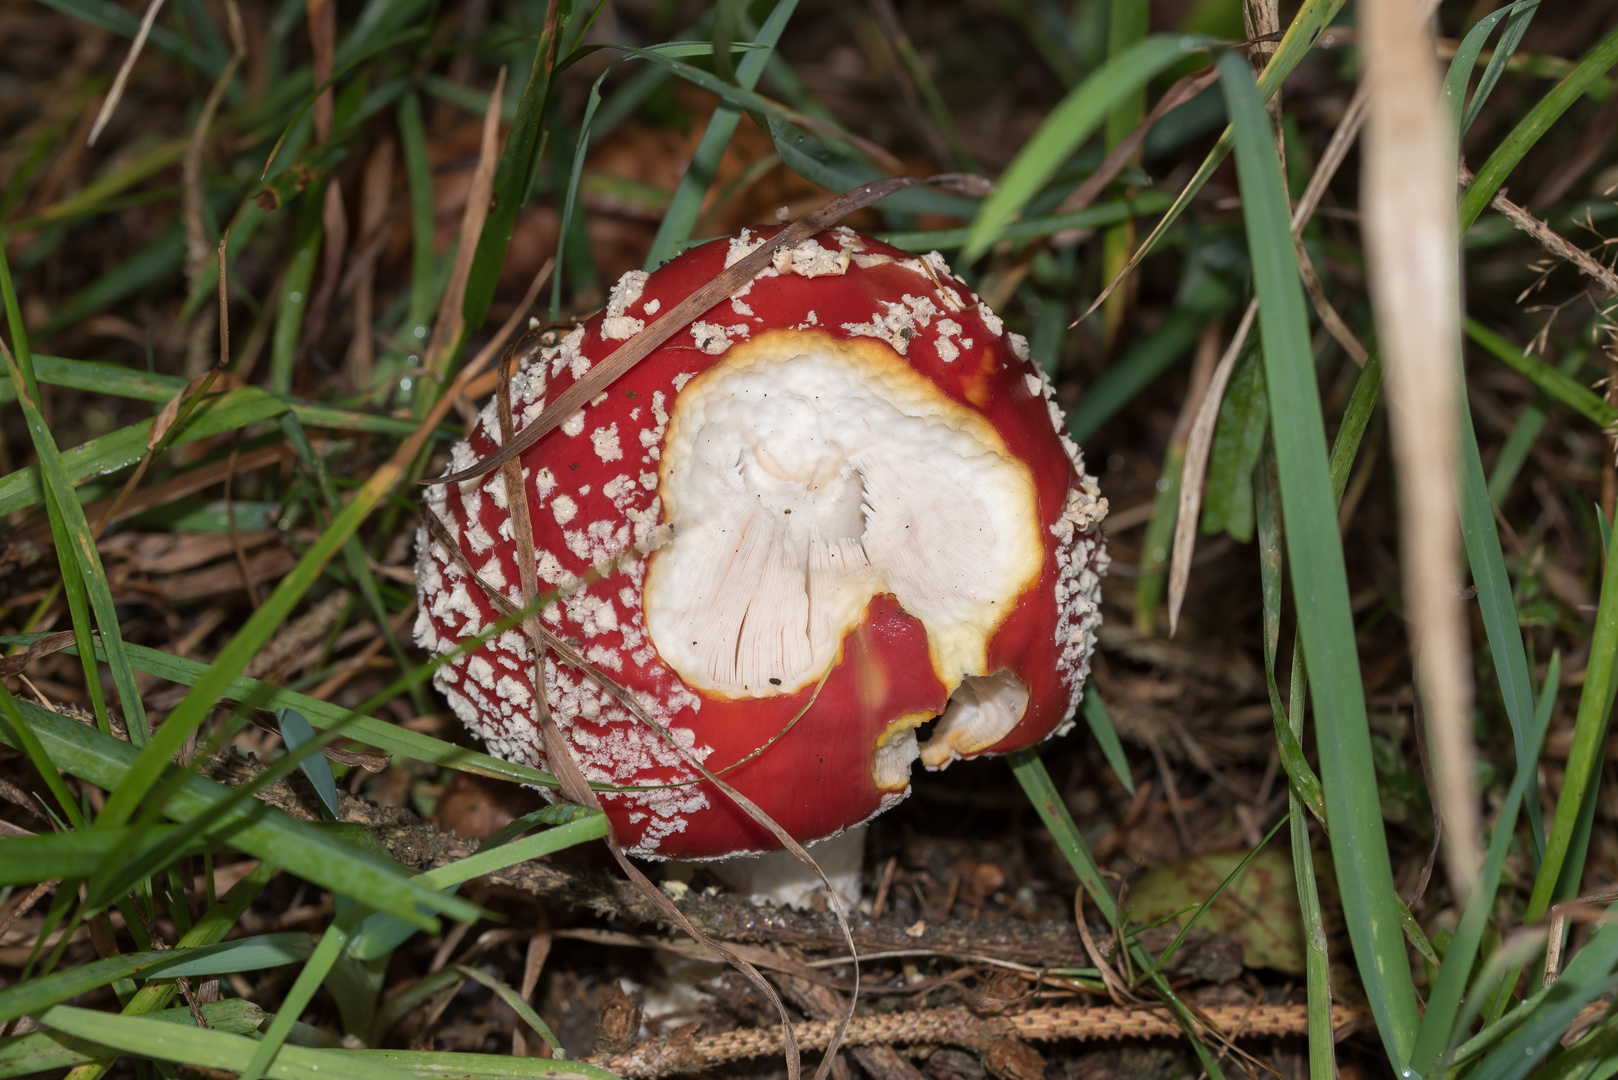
{"points": [[838, 505]]}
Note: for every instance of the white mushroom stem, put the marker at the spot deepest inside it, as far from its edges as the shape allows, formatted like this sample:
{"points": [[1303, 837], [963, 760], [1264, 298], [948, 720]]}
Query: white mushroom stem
{"points": [[779, 878]]}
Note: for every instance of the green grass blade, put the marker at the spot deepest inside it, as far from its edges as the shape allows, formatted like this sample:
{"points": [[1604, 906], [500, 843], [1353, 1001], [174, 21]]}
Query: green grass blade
{"points": [[125, 24], [1095, 715], [1515, 450], [323, 714], [1500, 622], [1529, 129], [141, 1036], [683, 209], [28, 860], [450, 1066], [1554, 880], [1047, 801], [300, 847], [419, 176], [29, 744], [296, 290], [49, 1051], [188, 716], [815, 161], [75, 543], [295, 731], [1066, 128], [1159, 539], [23, 488], [1459, 75], [220, 918], [516, 1004], [297, 999], [150, 266], [1588, 977], [1438, 1025], [1522, 12], [1312, 17], [1581, 399], [1304, 788], [512, 177], [1244, 416], [245, 954], [1319, 577], [380, 934]]}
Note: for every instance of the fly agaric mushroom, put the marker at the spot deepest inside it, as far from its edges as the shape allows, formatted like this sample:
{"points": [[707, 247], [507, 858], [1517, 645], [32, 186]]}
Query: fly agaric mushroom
{"points": [[838, 505]]}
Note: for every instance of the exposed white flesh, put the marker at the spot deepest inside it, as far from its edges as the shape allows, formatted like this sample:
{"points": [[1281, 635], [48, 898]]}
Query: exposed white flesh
{"points": [[801, 477]]}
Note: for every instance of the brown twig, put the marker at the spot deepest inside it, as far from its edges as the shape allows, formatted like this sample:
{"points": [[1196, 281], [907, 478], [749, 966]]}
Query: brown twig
{"points": [[1549, 239], [959, 1026]]}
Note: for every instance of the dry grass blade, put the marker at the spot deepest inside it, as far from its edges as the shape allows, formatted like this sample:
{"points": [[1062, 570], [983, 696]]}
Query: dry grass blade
{"points": [[1198, 448], [1200, 445], [116, 94], [1408, 195], [447, 328], [637, 348]]}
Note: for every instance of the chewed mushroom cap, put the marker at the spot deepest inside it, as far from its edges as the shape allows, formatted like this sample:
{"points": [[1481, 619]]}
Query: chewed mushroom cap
{"points": [[838, 505]]}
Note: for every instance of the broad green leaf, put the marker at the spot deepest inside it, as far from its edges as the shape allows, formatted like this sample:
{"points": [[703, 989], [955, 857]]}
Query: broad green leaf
{"points": [[1244, 415]]}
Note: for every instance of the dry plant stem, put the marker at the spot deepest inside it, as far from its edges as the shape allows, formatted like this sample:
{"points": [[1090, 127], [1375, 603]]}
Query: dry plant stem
{"points": [[26, 904], [322, 16], [360, 282], [196, 231], [637, 348], [334, 245], [116, 94], [1549, 239], [447, 328], [1410, 238], [1116, 988], [957, 1025]]}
